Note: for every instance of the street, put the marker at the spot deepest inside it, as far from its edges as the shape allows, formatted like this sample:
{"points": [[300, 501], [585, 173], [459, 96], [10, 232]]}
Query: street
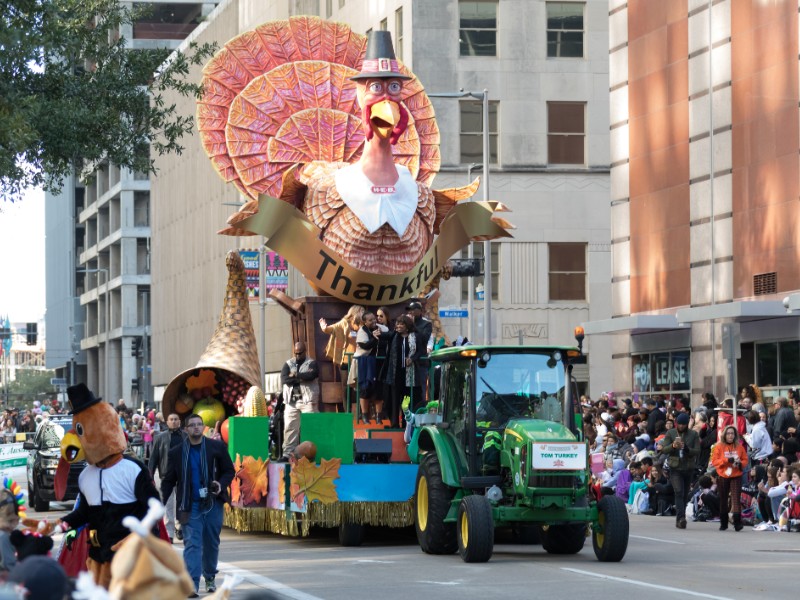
{"points": [[662, 562]]}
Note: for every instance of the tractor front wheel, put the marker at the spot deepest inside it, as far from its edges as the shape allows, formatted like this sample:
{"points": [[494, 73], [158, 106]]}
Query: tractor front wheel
{"points": [[431, 505], [475, 529], [610, 533]]}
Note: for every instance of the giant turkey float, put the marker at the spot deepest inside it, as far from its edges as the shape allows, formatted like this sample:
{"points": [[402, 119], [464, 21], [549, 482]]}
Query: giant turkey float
{"points": [[334, 144]]}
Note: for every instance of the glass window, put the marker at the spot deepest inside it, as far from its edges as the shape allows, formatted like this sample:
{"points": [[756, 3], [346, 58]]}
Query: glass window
{"points": [[328, 8], [477, 252], [457, 381], [341, 3], [471, 138], [384, 25], [565, 29], [567, 274], [790, 363], [661, 379], [477, 35], [398, 33], [168, 21], [566, 133], [641, 373], [667, 374], [680, 371], [515, 385], [767, 364]]}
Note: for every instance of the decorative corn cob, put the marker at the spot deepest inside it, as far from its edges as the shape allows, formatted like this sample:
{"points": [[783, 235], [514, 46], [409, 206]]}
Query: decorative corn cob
{"points": [[255, 404]]}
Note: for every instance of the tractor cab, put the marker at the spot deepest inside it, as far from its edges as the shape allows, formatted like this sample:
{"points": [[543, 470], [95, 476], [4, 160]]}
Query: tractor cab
{"points": [[486, 390]]}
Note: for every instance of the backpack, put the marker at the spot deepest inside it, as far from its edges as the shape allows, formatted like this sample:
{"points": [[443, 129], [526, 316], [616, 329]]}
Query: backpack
{"points": [[641, 502]]}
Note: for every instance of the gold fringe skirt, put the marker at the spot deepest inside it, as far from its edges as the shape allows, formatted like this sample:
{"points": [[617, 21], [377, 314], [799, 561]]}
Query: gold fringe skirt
{"points": [[388, 514]]}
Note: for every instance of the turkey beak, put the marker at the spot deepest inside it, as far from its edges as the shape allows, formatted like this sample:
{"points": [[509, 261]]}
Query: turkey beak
{"points": [[71, 448], [384, 115]]}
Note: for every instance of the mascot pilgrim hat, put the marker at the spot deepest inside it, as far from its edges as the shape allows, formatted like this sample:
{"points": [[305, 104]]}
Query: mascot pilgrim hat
{"points": [[80, 398]]}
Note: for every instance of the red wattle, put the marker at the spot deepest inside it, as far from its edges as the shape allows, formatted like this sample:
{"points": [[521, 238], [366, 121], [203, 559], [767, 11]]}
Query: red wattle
{"points": [[401, 125], [60, 480]]}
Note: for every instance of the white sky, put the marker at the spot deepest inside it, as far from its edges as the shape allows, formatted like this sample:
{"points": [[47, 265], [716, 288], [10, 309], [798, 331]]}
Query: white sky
{"points": [[22, 278]]}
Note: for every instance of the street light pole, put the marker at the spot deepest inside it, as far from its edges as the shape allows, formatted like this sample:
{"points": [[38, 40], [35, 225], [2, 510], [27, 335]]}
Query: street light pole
{"points": [[487, 245], [471, 279]]}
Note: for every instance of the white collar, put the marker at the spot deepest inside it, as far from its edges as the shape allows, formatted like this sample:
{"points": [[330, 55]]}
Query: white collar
{"points": [[374, 209]]}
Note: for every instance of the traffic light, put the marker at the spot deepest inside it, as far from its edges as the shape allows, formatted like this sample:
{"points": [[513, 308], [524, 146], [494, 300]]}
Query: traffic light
{"points": [[32, 333], [135, 384], [465, 267], [137, 343]]}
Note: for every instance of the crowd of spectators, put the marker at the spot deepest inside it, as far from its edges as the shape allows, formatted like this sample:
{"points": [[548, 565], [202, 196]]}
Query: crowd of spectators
{"points": [[140, 426], [748, 466]]}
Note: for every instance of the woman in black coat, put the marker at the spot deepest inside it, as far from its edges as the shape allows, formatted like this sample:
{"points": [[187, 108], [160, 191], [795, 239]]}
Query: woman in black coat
{"points": [[399, 369]]}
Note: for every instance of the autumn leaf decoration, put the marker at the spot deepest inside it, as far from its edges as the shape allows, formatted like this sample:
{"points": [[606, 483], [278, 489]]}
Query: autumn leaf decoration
{"points": [[204, 378], [252, 476], [236, 488], [315, 482]]}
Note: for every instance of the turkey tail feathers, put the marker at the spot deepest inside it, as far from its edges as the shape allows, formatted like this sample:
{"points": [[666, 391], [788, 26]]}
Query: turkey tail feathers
{"points": [[280, 95]]}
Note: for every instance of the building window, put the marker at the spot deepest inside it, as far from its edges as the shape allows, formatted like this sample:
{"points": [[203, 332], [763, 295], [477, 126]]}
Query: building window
{"points": [[368, 31], [777, 364], [477, 252], [477, 35], [167, 21], [566, 133], [667, 374], [565, 29], [472, 132], [398, 32], [384, 25], [341, 3], [328, 9], [567, 273]]}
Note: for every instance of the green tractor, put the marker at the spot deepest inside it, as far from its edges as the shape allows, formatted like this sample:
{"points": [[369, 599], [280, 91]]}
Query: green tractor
{"points": [[507, 450]]}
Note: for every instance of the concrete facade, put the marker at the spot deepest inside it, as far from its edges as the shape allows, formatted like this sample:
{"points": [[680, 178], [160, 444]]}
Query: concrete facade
{"points": [[550, 203], [704, 190], [98, 253]]}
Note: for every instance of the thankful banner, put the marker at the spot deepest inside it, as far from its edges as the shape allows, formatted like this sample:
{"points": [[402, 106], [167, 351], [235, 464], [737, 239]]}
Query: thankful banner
{"points": [[291, 234]]}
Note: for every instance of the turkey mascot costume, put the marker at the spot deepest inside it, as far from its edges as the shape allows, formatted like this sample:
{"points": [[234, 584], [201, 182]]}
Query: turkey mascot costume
{"points": [[112, 486]]}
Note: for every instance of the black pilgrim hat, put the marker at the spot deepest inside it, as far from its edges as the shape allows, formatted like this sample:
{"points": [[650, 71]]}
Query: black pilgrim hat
{"points": [[80, 398], [379, 59]]}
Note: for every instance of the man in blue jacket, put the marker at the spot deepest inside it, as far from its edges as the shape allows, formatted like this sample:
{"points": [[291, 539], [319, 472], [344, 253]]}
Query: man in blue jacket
{"points": [[200, 471]]}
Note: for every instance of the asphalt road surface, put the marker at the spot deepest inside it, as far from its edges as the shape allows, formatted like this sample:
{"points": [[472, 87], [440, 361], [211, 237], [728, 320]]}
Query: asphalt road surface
{"points": [[662, 562]]}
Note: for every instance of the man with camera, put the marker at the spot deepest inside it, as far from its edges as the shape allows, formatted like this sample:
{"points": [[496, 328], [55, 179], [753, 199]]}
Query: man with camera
{"points": [[200, 470], [300, 395], [681, 446]]}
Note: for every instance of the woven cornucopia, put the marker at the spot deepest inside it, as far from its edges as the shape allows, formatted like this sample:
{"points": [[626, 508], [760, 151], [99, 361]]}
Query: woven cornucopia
{"points": [[233, 346]]}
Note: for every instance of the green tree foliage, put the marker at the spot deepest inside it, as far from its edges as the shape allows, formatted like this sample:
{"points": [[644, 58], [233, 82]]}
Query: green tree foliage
{"points": [[72, 94], [28, 385]]}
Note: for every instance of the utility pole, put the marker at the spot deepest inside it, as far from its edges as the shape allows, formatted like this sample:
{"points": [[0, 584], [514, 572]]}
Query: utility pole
{"points": [[146, 350]]}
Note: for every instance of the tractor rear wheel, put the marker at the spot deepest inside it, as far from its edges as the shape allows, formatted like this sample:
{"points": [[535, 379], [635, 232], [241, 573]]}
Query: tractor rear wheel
{"points": [[610, 533], [475, 529], [351, 534], [431, 505], [564, 539]]}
